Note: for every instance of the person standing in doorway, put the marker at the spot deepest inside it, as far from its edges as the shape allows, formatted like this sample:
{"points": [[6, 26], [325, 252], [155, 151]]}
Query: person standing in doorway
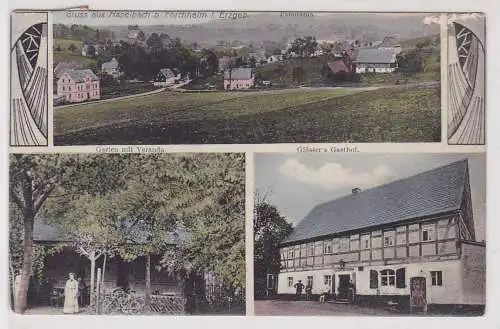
{"points": [[71, 295], [298, 289]]}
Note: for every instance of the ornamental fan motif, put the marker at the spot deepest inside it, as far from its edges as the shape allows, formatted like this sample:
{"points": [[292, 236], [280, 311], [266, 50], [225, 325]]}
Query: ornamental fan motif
{"points": [[466, 102], [29, 88]]}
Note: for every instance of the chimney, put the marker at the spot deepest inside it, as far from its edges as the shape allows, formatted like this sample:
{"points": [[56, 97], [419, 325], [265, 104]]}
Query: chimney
{"points": [[356, 190]]}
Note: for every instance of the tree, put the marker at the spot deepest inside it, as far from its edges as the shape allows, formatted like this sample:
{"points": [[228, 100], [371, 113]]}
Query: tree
{"points": [[252, 62], [276, 52], [298, 73], [36, 180], [269, 229], [91, 51], [304, 46], [214, 219], [141, 36], [72, 47], [154, 42]]}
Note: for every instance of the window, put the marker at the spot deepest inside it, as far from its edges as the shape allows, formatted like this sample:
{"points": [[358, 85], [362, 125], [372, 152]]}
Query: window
{"points": [[290, 281], [373, 279], [428, 233], [401, 278], [328, 280], [310, 281], [290, 254], [328, 247], [387, 277], [388, 239], [365, 242], [437, 278]]}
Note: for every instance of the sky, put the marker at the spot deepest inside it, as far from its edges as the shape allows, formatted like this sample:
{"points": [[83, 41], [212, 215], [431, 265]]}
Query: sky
{"points": [[295, 183], [187, 17]]}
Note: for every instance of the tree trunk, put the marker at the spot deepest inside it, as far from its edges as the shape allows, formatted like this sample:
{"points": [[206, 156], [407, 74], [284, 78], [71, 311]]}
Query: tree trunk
{"points": [[147, 296], [21, 295], [103, 271], [92, 278]]}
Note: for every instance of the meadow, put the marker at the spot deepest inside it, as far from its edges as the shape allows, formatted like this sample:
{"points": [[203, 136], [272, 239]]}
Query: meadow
{"points": [[325, 115]]}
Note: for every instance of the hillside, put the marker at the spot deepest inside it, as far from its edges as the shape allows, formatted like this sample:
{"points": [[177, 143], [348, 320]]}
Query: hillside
{"points": [[258, 27], [383, 115]]}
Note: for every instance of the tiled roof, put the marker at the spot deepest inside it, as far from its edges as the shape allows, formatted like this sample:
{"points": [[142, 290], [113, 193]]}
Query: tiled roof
{"points": [[112, 64], [44, 232], [375, 55], [79, 75], [167, 73], [241, 73], [337, 66], [429, 193], [389, 42]]}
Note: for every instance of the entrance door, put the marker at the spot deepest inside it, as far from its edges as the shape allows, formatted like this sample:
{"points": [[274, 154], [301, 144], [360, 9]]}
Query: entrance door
{"points": [[344, 286], [418, 293], [123, 269], [333, 284]]}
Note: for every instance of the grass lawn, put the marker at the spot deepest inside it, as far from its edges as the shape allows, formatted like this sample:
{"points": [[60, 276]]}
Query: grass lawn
{"points": [[65, 43], [68, 57], [126, 89], [338, 115]]}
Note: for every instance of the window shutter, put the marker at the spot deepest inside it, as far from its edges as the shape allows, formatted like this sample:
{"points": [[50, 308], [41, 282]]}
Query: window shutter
{"points": [[373, 279], [401, 278]]}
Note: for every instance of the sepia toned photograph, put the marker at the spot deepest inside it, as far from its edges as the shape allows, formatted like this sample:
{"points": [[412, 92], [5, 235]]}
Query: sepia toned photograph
{"points": [[127, 234], [245, 77], [370, 234]]}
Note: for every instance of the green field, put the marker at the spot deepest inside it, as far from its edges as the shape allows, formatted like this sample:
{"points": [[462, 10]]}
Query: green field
{"points": [[66, 57], [65, 43], [333, 115]]}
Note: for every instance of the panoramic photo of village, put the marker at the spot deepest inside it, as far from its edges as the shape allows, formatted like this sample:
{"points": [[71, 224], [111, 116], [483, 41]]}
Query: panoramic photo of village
{"points": [[127, 234], [371, 234], [255, 78]]}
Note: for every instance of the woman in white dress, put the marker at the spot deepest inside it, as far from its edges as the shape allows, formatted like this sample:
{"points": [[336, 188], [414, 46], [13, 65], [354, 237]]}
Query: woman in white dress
{"points": [[71, 295]]}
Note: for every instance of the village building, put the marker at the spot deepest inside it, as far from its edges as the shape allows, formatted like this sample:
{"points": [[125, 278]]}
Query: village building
{"points": [[166, 77], [338, 65], [79, 86], [375, 60], [87, 49], [62, 67], [111, 68], [226, 62], [391, 43], [274, 59], [129, 275], [239, 79], [409, 242], [258, 56]]}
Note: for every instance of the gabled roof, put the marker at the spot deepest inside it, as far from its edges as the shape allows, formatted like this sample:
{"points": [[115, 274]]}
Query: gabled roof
{"points": [[337, 65], [390, 41], [240, 73], [79, 75], [44, 232], [375, 55], [167, 73], [112, 64], [426, 194]]}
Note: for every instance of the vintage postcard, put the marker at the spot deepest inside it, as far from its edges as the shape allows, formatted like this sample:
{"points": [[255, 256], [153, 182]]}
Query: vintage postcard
{"points": [[227, 162], [370, 234], [245, 77]]}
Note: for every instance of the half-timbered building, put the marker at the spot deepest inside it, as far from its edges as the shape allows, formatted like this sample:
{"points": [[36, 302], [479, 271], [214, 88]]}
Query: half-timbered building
{"points": [[411, 241]]}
